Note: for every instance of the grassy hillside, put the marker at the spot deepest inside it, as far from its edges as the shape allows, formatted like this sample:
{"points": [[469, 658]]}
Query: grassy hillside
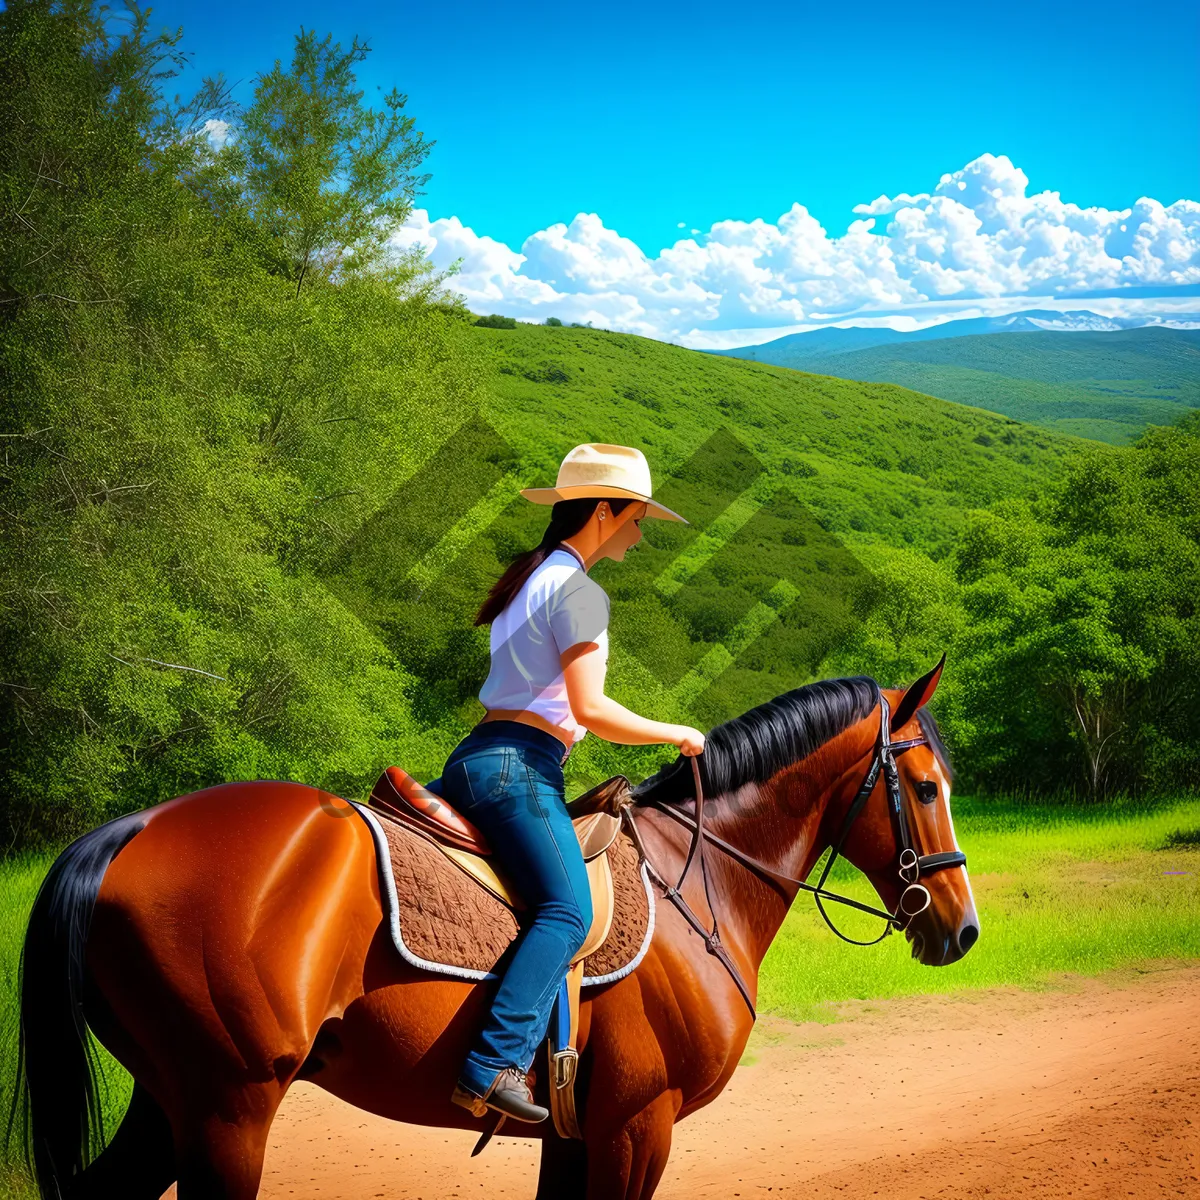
{"points": [[1107, 386], [252, 501], [798, 488], [847, 448]]}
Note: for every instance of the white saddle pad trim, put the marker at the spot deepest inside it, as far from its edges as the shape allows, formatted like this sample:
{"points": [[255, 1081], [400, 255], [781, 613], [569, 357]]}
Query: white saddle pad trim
{"points": [[391, 912]]}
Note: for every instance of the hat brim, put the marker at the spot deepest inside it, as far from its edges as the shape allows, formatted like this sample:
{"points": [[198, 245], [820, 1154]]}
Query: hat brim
{"points": [[600, 491]]}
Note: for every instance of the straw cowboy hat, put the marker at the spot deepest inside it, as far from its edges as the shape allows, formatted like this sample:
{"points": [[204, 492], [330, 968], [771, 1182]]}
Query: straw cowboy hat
{"points": [[604, 471]]}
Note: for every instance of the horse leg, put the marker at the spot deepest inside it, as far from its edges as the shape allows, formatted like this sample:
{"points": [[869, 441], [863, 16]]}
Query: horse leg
{"points": [[563, 1169], [627, 1164], [220, 1153], [139, 1162]]}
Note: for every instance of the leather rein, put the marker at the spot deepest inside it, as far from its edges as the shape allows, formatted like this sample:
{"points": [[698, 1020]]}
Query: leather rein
{"points": [[913, 900]]}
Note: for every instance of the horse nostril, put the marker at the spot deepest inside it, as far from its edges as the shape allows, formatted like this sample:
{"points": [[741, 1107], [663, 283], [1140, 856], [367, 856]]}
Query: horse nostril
{"points": [[967, 937]]}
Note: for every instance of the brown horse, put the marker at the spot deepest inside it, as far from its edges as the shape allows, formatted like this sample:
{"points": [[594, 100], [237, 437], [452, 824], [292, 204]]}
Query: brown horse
{"points": [[229, 942]]}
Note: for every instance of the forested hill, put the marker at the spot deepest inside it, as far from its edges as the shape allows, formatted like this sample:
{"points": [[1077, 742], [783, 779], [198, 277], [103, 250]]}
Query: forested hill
{"points": [[1106, 385]]}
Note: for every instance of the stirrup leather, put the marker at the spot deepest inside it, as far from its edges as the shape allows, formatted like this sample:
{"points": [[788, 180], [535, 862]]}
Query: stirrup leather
{"points": [[563, 1054]]}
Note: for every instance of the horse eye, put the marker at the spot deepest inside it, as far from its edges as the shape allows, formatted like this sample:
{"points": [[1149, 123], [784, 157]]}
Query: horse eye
{"points": [[926, 791]]}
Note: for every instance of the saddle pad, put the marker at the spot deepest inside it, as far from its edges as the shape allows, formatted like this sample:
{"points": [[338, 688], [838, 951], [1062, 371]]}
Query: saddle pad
{"points": [[442, 920]]}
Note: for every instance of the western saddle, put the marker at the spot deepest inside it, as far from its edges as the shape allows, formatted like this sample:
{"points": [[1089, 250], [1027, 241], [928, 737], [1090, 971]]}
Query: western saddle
{"points": [[596, 818]]}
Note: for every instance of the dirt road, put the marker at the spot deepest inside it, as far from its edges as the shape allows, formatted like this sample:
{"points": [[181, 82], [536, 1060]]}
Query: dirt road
{"points": [[1089, 1092]]}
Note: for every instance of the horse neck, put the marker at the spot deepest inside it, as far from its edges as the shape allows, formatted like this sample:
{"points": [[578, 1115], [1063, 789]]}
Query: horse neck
{"points": [[780, 823]]}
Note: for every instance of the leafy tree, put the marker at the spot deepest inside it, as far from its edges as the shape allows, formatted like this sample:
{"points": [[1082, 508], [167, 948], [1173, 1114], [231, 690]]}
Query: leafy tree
{"points": [[1079, 660], [554, 323], [328, 176], [496, 321], [912, 613], [185, 443]]}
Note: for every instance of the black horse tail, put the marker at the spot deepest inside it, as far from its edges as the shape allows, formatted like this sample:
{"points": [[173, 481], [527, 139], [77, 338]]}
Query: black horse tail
{"points": [[56, 1101]]}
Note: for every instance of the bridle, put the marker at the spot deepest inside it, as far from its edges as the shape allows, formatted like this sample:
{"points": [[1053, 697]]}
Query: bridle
{"points": [[910, 866]]}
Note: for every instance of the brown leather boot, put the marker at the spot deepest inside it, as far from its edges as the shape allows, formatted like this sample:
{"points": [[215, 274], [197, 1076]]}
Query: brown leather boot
{"points": [[509, 1094]]}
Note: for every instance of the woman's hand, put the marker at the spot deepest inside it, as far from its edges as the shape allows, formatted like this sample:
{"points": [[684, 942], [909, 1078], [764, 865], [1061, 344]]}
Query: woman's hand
{"points": [[690, 741]]}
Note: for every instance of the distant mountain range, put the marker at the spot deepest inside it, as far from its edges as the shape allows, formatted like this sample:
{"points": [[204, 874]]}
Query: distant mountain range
{"points": [[820, 343], [1075, 372]]}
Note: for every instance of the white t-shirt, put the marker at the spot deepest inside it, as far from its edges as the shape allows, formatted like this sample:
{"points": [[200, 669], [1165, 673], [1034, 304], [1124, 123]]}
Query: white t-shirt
{"points": [[557, 607]]}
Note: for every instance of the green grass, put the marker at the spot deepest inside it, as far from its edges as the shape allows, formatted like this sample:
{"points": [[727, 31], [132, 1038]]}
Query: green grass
{"points": [[1114, 411], [19, 882], [1060, 891], [1106, 386], [19, 879]]}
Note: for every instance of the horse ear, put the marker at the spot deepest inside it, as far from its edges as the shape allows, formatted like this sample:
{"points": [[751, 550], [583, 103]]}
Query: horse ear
{"points": [[917, 695]]}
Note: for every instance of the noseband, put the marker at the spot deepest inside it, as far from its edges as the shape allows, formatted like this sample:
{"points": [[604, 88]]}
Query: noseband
{"points": [[915, 898], [910, 866]]}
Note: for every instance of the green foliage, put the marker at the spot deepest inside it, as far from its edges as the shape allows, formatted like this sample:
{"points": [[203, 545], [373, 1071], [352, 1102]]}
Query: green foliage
{"points": [[1082, 603], [247, 524], [914, 614], [873, 482], [329, 178], [185, 444], [903, 467], [908, 487], [554, 323]]}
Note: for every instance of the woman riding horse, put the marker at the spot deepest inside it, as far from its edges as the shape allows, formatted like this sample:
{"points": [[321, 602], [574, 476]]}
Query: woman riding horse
{"points": [[226, 944], [545, 690]]}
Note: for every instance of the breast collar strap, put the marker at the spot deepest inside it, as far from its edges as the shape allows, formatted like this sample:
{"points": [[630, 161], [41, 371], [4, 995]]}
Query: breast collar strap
{"points": [[914, 899]]}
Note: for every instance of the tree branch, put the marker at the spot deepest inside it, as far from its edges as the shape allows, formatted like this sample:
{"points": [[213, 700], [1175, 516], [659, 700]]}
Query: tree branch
{"points": [[174, 666]]}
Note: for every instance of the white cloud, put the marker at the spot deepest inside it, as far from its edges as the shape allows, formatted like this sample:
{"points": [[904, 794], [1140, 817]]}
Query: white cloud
{"points": [[976, 239], [216, 131]]}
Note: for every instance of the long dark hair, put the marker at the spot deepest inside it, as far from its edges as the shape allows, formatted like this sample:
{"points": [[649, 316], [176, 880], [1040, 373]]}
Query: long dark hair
{"points": [[567, 518]]}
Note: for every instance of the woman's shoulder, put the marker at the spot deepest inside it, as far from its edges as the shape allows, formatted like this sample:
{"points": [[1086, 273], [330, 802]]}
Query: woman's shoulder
{"points": [[560, 575], [554, 570]]}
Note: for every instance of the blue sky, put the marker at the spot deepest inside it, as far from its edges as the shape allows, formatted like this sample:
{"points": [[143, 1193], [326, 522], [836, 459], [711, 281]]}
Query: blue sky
{"points": [[651, 114], [663, 119]]}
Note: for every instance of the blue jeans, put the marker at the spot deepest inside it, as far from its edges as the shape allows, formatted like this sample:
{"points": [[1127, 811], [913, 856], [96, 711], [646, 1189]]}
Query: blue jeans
{"points": [[506, 778]]}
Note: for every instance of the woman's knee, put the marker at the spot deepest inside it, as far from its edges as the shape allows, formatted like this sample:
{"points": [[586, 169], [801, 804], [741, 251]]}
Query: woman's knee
{"points": [[572, 918]]}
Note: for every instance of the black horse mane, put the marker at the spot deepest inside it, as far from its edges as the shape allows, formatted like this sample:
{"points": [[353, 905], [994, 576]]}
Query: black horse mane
{"points": [[762, 742]]}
